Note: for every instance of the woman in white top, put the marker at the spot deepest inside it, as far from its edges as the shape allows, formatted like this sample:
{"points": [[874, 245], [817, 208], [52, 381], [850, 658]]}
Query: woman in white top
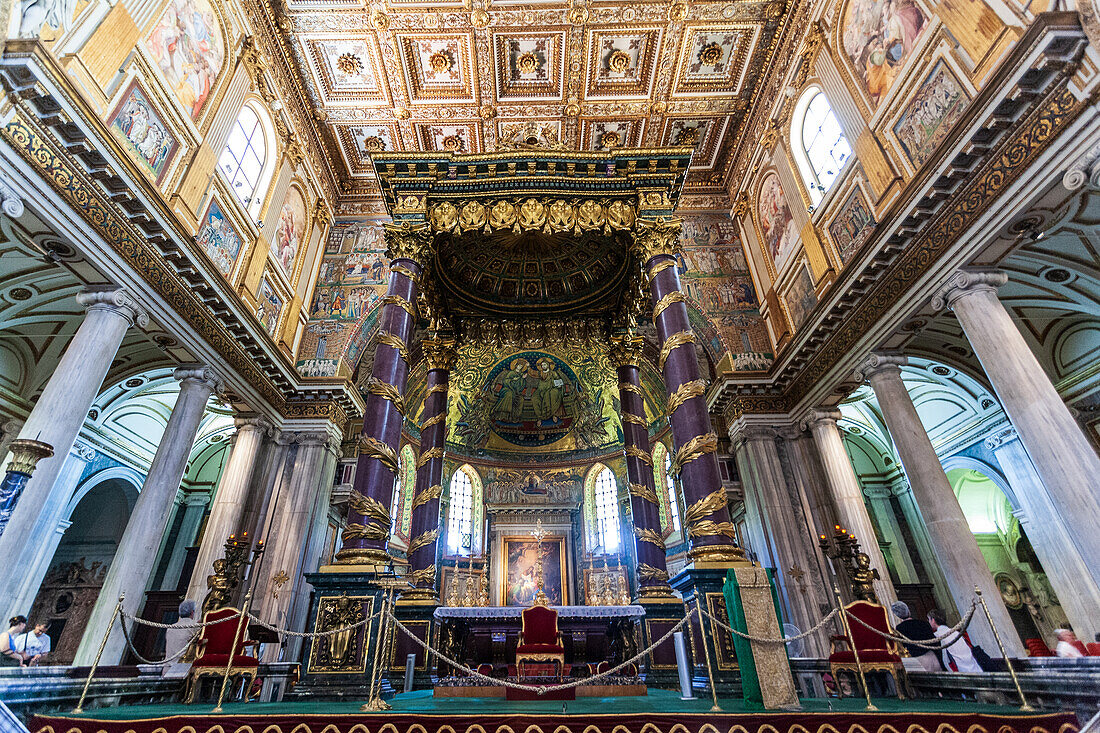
{"points": [[959, 651]]}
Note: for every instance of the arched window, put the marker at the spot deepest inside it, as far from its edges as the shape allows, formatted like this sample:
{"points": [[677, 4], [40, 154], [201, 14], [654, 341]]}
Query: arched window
{"points": [[244, 159], [464, 515], [401, 506], [818, 142], [606, 505], [670, 490]]}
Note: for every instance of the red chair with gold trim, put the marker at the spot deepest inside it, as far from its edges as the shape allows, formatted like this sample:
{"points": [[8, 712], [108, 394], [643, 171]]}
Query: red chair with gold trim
{"points": [[876, 653], [539, 639], [213, 651]]}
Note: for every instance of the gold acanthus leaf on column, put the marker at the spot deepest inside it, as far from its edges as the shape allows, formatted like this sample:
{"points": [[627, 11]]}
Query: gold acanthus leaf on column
{"points": [[375, 448], [709, 504], [387, 392], [423, 575], [634, 451], [432, 492], [643, 492], [423, 540], [650, 536], [685, 392], [365, 506], [428, 455], [710, 528], [356, 531], [648, 572], [673, 342], [697, 447]]}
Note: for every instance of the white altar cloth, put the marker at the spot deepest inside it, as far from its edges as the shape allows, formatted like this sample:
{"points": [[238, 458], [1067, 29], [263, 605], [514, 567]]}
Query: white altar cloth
{"points": [[444, 612]]}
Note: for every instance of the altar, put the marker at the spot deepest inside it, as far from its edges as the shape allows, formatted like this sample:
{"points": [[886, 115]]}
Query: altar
{"points": [[482, 635]]}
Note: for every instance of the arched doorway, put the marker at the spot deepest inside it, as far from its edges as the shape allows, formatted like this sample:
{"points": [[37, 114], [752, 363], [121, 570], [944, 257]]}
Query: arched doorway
{"points": [[1007, 551], [79, 565]]}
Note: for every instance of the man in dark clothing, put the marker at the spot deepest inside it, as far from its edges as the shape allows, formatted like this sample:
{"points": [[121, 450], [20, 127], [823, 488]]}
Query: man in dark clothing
{"points": [[917, 630]]}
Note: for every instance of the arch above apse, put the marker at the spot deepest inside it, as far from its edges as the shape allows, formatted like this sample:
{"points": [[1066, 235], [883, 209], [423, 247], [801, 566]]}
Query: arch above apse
{"points": [[130, 479], [991, 472], [984, 503]]}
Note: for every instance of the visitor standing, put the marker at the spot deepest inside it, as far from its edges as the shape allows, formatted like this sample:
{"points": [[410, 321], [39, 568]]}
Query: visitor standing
{"points": [[959, 652], [34, 644], [916, 630], [9, 656]]}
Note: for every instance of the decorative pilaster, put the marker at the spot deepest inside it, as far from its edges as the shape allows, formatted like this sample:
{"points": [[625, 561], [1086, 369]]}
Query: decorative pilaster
{"points": [[847, 493], [626, 353], [56, 420], [961, 560], [706, 519], [1063, 457], [440, 353], [408, 247], [133, 562]]}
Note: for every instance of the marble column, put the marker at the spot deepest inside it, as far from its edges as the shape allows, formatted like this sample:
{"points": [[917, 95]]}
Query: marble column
{"points": [[137, 550], [56, 419], [1066, 569], [368, 528], [1063, 457], [880, 500], [193, 508], [228, 505], [778, 532], [961, 561], [706, 516], [307, 483], [652, 572], [847, 494], [439, 352]]}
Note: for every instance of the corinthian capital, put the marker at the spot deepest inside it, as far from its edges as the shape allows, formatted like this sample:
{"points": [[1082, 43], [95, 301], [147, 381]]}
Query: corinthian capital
{"points": [[965, 281], [407, 241], [877, 363], [626, 349], [116, 300], [440, 351], [654, 236]]}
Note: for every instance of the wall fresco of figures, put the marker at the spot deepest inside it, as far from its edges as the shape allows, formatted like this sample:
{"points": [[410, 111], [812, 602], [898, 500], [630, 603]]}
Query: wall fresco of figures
{"points": [[219, 238], [852, 225], [187, 45], [142, 132], [290, 231], [930, 114], [878, 37]]}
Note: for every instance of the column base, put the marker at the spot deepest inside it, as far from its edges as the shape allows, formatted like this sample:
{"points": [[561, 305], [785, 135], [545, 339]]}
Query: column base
{"points": [[659, 666], [656, 594], [704, 581], [419, 597], [717, 554], [362, 556]]}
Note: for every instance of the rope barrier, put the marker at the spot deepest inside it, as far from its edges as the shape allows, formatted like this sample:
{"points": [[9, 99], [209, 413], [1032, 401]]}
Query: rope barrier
{"points": [[314, 634], [197, 625], [539, 689], [954, 633], [166, 660], [766, 640]]}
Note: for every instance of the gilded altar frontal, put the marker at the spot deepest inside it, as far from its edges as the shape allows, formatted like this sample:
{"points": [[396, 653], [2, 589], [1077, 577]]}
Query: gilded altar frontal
{"points": [[440, 361]]}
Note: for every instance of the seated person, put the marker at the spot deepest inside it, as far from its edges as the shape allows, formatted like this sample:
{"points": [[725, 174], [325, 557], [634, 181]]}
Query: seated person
{"points": [[959, 651], [9, 655], [1068, 645], [916, 630], [34, 644]]}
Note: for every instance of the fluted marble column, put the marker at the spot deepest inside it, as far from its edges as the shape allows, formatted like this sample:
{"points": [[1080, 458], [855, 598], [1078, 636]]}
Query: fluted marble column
{"points": [[626, 353], [1065, 567], [706, 518], [848, 494], [133, 562], [1063, 457], [962, 562], [368, 529], [228, 505], [440, 353], [305, 489], [56, 419], [779, 534]]}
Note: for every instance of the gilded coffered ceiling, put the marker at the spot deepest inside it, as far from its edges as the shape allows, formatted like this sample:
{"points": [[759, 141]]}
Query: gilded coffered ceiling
{"points": [[462, 76]]}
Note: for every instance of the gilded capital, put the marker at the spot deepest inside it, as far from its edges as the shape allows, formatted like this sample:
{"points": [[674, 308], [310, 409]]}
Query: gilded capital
{"points": [[407, 241], [626, 350], [25, 455], [654, 236], [966, 281], [440, 351]]}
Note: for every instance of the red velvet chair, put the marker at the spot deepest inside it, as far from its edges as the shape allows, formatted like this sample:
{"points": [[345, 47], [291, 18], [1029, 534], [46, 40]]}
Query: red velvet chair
{"points": [[876, 653], [213, 652], [1037, 648], [1093, 648], [539, 639]]}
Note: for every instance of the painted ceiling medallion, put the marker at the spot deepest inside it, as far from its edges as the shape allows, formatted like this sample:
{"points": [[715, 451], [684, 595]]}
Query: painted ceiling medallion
{"points": [[710, 54], [374, 144], [349, 64], [618, 61], [688, 136], [528, 63], [452, 143], [441, 61]]}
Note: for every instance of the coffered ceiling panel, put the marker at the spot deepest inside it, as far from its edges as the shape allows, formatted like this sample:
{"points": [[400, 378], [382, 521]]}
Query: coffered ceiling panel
{"points": [[406, 76]]}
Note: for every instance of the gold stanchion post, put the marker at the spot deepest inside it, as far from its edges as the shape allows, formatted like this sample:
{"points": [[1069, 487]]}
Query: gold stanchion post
{"points": [[855, 649], [715, 708], [102, 645], [233, 649], [376, 703], [1008, 662]]}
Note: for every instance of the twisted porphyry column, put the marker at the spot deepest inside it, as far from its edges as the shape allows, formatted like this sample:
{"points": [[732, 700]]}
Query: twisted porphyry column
{"points": [[439, 351], [368, 526], [626, 351], [707, 518]]}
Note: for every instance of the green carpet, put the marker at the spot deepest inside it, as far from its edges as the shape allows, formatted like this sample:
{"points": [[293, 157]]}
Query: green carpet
{"points": [[421, 702]]}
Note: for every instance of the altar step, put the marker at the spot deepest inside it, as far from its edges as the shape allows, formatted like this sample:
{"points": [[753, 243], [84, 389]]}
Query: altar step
{"points": [[597, 689]]}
